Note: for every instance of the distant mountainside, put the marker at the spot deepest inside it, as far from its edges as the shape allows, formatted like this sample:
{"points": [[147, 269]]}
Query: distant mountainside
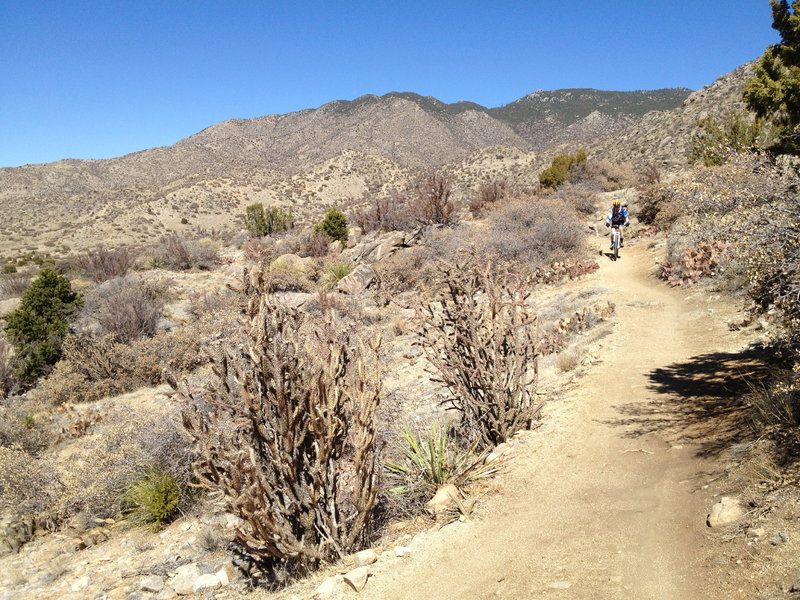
{"points": [[342, 153]]}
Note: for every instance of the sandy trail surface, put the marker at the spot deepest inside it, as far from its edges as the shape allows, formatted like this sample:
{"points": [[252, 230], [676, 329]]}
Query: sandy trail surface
{"points": [[608, 499]]}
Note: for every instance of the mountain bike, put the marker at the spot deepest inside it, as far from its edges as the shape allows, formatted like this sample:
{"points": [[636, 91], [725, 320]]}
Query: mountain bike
{"points": [[615, 237]]}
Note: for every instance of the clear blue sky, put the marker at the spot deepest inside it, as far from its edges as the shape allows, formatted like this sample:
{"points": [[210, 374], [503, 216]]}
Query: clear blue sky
{"points": [[95, 79]]}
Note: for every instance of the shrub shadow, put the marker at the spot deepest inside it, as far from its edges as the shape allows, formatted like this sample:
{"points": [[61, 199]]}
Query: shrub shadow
{"points": [[700, 400]]}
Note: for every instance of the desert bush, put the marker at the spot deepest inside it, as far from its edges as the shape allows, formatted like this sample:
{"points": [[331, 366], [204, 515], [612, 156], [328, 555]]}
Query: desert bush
{"points": [[176, 252], [286, 280], [385, 214], [127, 309], [775, 404], [581, 196], [737, 133], [481, 337], [532, 233], [489, 195], [602, 174], [13, 285], [98, 367], [702, 260], [556, 174], [23, 427], [336, 271], [8, 375], [103, 264], [305, 485], [28, 486], [317, 245], [260, 221], [432, 461], [37, 328], [334, 224], [152, 499], [258, 249], [432, 204]]}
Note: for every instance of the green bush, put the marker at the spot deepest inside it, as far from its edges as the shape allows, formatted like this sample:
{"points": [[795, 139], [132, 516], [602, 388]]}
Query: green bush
{"points": [[9, 268], [556, 174], [334, 224], [37, 328], [336, 271], [737, 133], [262, 221], [153, 499]]}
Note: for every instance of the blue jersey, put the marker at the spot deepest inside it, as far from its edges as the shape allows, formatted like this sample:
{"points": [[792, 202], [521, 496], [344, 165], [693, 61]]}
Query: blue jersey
{"points": [[621, 219]]}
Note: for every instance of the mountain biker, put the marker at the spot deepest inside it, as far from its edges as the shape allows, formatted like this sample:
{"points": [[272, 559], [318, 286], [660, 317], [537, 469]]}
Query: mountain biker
{"points": [[617, 217]]}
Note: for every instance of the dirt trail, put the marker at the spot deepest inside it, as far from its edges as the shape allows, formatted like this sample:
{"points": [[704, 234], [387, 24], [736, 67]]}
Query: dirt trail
{"points": [[609, 498]]}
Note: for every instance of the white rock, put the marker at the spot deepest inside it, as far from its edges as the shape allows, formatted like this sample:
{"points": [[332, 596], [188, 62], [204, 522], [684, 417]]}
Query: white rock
{"points": [[209, 581], [328, 587], [357, 578], [402, 550], [358, 281], [724, 512], [184, 579], [443, 499], [80, 584], [153, 583], [365, 557]]}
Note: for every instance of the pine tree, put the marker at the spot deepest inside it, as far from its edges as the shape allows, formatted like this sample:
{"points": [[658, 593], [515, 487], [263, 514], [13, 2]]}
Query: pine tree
{"points": [[774, 91], [37, 328], [334, 224]]}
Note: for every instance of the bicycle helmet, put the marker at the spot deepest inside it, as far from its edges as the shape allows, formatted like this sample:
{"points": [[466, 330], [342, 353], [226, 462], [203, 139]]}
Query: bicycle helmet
{"points": [[616, 202]]}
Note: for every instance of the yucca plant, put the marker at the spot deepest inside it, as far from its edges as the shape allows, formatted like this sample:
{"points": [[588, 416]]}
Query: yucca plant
{"points": [[336, 271], [433, 462]]}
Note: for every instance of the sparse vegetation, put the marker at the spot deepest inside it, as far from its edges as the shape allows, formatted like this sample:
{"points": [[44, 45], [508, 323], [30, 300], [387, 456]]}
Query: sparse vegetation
{"points": [[103, 264], [176, 252], [127, 309], [152, 499], [432, 204], [737, 133]]}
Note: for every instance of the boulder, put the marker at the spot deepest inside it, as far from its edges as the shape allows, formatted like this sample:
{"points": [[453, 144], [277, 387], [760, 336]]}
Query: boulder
{"points": [[208, 581], [153, 583], [357, 578], [726, 511], [442, 499], [365, 557], [358, 281], [402, 550], [184, 579], [291, 262]]}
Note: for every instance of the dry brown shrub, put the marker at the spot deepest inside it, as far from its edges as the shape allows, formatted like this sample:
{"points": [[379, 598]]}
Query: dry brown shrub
{"points": [[482, 337], [102, 264], [259, 249], [305, 486], [205, 302], [13, 285], [385, 214], [28, 486], [607, 176], [532, 233], [318, 245], [580, 195], [8, 375], [24, 425], [126, 309], [93, 368], [176, 252], [285, 280], [432, 204], [489, 194]]}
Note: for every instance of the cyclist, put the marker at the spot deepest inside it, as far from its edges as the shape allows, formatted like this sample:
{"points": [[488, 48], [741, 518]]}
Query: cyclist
{"points": [[617, 217]]}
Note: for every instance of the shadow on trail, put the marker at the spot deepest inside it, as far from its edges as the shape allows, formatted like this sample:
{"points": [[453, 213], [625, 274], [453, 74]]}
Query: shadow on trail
{"points": [[699, 401]]}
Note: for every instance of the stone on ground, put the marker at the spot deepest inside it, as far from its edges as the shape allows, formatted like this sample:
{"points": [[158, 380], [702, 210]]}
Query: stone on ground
{"points": [[725, 512]]}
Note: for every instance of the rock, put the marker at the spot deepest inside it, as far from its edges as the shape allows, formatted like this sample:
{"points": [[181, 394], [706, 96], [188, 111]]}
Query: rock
{"points": [[167, 594], [402, 550], [184, 579], [442, 499], [365, 557], [80, 584], [290, 262], [358, 281], [758, 532], [293, 299], [559, 585], [779, 538], [152, 583], [335, 247], [209, 581], [357, 578], [180, 312], [725, 512], [328, 587]]}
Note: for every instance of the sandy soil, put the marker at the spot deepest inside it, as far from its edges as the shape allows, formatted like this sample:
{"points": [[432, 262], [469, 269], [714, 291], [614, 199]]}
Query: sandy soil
{"points": [[609, 498]]}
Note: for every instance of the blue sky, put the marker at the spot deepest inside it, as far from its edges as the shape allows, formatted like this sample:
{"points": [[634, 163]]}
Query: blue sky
{"points": [[96, 79]]}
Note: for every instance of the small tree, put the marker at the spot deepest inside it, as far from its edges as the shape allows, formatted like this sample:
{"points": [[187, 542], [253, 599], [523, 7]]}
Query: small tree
{"points": [[432, 205], [262, 221], [556, 174], [36, 329], [334, 224], [774, 91]]}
